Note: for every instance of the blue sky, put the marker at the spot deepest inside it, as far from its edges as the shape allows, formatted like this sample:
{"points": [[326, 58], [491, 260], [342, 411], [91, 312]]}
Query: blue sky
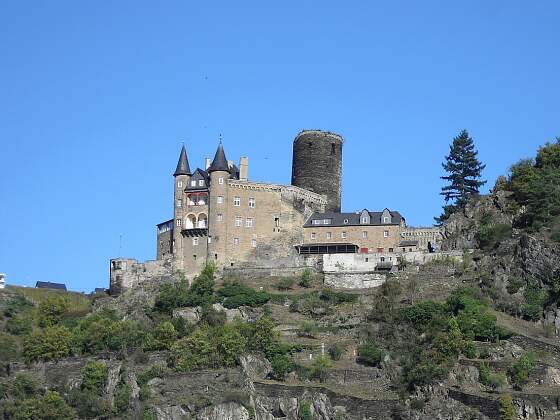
{"points": [[96, 98]]}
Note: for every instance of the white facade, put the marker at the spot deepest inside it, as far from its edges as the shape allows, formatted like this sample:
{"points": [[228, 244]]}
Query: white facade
{"points": [[2, 281]]}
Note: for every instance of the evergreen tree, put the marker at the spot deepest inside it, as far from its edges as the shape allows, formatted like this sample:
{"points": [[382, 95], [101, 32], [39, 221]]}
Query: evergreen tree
{"points": [[464, 171]]}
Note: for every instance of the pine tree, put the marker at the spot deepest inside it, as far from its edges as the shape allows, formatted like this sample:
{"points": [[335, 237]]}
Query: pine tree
{"points": [[464, 172]]}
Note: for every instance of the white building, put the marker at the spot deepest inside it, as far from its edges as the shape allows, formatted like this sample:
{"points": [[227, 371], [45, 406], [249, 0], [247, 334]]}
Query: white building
{"points": [[2, 280]]}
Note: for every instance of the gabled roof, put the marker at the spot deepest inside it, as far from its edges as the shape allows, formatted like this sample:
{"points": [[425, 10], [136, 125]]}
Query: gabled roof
{"points": [[220, 162], [197, 175], [183, 164], [50, 285], [353, 219]]}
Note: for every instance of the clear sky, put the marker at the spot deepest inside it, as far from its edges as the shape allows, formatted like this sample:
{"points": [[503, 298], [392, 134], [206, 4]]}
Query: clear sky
{"points": [[97, 96]]}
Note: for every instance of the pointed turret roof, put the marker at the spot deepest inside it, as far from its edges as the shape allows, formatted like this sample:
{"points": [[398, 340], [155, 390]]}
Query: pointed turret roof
{"points": [[220, 162], [183, 164]]}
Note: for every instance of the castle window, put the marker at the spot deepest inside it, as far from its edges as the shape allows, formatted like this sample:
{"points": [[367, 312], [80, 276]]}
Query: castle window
{"points": [[193, 183], [220, 199], [194, 257], [364, 234], [316, 222], [385, 233], [333, 149], [249, 222], [382, 259], [220, 180], [390, 249], [236, 241], [195, 241], [201, 183], [385, 219], [254, 243], [277, 221], [179, 203], [343, 235], [219, 217], [345, 221], [251, 203], [364, 220], [238, 220], [237, 201], [178, 222], [329, 235], [313, 235], [180, 184], [326, 221]]}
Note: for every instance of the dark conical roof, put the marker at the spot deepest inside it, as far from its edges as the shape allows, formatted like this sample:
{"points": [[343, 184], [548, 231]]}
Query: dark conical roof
{"points": [[183, 164], [220, 162]]}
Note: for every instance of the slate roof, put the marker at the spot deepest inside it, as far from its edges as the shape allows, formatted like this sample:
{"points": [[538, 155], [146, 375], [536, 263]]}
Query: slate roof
{"points": [[220, 162], [198, 174], [50, 285], [337, 219], [183, 164]]}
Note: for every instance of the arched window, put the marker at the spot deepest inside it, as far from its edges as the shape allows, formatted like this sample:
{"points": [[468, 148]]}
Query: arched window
{"points": [[190, 221], [202, 221]]}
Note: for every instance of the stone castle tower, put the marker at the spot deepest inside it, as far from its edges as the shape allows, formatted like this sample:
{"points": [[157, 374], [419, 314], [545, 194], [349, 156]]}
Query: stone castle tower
{"points": [[317, 165]]}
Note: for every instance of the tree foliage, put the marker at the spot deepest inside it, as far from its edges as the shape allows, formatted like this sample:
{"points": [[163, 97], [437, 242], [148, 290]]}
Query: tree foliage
{"points": [[464, 172]]}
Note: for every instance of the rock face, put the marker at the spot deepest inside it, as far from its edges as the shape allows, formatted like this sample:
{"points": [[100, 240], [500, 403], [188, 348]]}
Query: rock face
{"points": [[227, 411]]}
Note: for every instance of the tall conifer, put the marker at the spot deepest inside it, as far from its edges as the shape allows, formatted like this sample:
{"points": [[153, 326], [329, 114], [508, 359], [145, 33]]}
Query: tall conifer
{"points": [[464, 174]]}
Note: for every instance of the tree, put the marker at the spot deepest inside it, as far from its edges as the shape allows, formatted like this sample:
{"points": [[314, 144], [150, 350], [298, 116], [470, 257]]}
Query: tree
{"points": [[464, 171]]}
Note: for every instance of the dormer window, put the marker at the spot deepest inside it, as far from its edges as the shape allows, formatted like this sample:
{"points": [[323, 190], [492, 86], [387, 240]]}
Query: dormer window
{"points": [[385, 219], [193, 183], [200, 183], [364, 220]]}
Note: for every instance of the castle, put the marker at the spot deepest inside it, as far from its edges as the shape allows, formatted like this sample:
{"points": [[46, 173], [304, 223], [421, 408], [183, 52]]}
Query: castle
{"points": [[221, 216]]}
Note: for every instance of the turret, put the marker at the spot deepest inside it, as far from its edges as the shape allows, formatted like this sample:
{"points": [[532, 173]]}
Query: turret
{"points": [[218, 205], [181, 177]]}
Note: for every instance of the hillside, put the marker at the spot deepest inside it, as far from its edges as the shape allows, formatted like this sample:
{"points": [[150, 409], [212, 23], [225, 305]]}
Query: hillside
{"points": [[458, 338]]}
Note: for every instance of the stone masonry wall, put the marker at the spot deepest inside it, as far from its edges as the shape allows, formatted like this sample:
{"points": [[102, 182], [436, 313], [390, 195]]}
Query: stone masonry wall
{"points": [[128, 273]]}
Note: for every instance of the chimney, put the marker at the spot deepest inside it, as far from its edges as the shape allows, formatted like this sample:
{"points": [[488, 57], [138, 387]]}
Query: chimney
{"points": [[230, 164], [207, 163], [243, 168]]}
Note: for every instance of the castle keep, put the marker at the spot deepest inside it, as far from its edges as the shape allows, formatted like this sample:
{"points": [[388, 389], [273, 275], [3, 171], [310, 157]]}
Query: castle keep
{"points": [[221, 216]]}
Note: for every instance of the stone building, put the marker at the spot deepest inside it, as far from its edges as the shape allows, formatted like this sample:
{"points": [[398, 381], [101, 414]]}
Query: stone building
{"points": [[364, 232], [222, 216]]}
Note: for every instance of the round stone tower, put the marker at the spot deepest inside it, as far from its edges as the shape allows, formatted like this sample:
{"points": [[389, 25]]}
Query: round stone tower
{"points": [[317, 165]]}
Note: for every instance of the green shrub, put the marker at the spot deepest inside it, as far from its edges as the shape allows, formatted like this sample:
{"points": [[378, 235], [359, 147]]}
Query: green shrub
{"points": [[304, 411], [94, 376], [535, 299], [336, 351], [50, 406], [52, 309], [336, 298], [490, 235], [320, 368], [521, 369], [308, 329], [236, 294], [281, 366], [285, 283], [469, 349], [8, 347], [513, 286], [369, 354], [162, 338], [507, 409], [157, 370], [230, 345], [193, 352], [53, 343], [487, 378], [305, 278], [211, 316], [24, 386], [423, 314], [122, 397]]}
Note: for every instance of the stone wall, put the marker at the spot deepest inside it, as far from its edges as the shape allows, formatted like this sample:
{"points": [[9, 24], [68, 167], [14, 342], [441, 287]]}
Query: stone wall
{"points": [[365, 280], [255, 273], [128, 273]]}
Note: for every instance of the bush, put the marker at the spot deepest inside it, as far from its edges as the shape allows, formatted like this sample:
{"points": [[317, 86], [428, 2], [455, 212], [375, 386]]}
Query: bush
{"points": [[320, 367], [308, 329], [235, 295], [211, 316], [162, 338], [193, 352], [94, 376], [521, 369], [8, 347], [281, 366], [369, 354], [423, 314], [230, 345], [305, 278], [490, 235], [285, 283], [337, 298], [336, 351], [52, 309], [53, 343], [469, 349], [122, 398], [535, 299], [24, 386], [487, 378], [50, 406], [304, 411], [507, 409]]}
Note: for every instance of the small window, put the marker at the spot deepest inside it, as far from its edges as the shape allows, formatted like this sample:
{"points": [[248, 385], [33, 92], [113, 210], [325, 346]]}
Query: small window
{"points": [[385, 219], [201, 183], [364, 234], [316, 222], [179, 184], [254, 243], [236, 241], [220, 180], [252, 203], [343, 235], [238, 221], [237, 201], [195, 241], [178, 222], [367, 259], [333, 149], [385, 233], [193, 183], [327, 221], [382, 259], [329, 235], [313, 235], [390, 249], [194, 257], [179, 203], [249, 222], [215, 256], [345, 221], [220, 199], [364, 220], [219, 217], [277, 222]]}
